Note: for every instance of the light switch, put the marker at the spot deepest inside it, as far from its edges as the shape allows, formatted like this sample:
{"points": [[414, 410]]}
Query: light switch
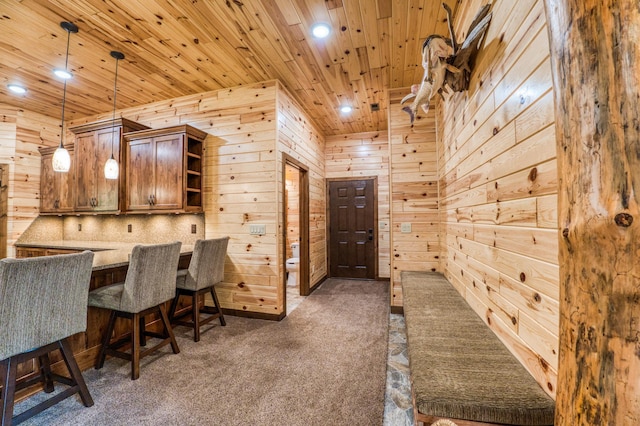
{"points": [[405, 228], [257, 229]]}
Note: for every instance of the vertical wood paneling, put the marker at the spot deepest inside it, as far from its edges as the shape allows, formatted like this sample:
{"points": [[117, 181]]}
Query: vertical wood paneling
{"points": [[414, 193], [498, 181], [365, 155]]}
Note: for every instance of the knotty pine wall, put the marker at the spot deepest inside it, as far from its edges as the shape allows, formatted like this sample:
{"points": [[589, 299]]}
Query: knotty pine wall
{"points": [[242, 181], [498, 186], [365, 155], [21, 134], [301, 139], [414, 193]]}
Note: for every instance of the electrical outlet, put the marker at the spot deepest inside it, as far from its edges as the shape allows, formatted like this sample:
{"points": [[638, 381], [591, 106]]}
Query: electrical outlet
{"points": [[405, 228], [257, 229], [129, 228], [79, 227], [194, 228]]}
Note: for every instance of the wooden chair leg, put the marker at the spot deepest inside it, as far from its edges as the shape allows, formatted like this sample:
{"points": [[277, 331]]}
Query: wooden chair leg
{"points": [[217, 305], [10, 367], [45, 373], [174, 305], [74, 371], [143, 336], [135, 346], [106, 338], [168, 329], [195, 314]]}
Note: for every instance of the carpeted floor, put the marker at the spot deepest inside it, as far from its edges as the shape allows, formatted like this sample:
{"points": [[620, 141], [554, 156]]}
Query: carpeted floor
{"points": [[322, 365]]}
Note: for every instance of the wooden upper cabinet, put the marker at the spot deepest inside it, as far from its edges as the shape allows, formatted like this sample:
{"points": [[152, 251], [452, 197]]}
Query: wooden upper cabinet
{"points": [[163, 169], [56, 188], [94, 144]]}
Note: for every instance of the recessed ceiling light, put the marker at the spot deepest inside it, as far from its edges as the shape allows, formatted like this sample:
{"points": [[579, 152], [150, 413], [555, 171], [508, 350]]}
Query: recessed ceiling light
{"points": [[346, 109], [320, 30], [62, 73], [16, 88]]}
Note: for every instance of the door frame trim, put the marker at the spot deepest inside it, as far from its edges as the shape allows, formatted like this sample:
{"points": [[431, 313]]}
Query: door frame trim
{"points": [[375, 220], [303, 212]]}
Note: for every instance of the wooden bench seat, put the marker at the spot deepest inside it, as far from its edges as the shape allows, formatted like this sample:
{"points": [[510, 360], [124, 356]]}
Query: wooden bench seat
{"points": [[459, 368]]}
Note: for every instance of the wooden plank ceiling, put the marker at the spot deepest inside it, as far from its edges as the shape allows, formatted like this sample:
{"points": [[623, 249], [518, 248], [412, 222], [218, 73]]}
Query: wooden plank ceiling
{"points": [[180, 47]]}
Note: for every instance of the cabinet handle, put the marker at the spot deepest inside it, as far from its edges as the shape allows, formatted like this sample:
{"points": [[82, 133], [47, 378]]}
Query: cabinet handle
{"points": [[153, 199], [150, 200], [56, 204]]}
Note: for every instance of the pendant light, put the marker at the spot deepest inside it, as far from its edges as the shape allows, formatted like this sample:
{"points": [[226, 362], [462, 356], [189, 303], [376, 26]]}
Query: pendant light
{"points": [[111, 167], [61, 159]]}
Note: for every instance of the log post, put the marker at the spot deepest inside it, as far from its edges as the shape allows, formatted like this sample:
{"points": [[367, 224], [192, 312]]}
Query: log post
{"points": [[596, 67]]}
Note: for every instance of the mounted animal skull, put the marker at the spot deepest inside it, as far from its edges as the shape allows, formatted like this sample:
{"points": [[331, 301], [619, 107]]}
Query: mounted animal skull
{"points": [[444, 63], [435, 50]]}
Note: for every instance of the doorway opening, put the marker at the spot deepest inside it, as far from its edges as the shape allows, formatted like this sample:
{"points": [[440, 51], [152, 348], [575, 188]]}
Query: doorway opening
{"points": [[353, 232], [296, 233], [4, 208]]}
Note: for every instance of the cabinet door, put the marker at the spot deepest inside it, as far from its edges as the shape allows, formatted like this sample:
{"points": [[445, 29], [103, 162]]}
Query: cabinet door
{"points": [[140, 174], [169, 172], [86, 156], [56, 194], [93, 191], [106, 192]]}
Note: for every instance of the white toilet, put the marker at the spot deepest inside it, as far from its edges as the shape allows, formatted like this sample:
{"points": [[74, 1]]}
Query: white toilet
{"points": [[292, 266]]}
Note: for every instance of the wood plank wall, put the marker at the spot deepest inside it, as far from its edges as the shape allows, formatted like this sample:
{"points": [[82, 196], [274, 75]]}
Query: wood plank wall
{"points": [[21, 134], [498, 184], [242, 182], [365, 155], [414, 193], [302, 140]]}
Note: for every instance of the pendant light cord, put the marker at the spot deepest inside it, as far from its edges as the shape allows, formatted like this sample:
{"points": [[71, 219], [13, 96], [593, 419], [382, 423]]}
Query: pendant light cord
{"points": [[64, 89], [113, 119]]}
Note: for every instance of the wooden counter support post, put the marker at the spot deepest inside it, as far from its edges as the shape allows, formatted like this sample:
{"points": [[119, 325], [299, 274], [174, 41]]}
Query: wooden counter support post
{"points": [[596, 67]]}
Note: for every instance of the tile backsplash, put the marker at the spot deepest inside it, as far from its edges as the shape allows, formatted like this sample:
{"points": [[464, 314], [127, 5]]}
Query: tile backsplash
{"points": [[144, 229]]}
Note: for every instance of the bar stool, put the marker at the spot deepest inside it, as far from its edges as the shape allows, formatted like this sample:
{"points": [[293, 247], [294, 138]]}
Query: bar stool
{"points": [[149, 283], [43, 301], [206, 269]]}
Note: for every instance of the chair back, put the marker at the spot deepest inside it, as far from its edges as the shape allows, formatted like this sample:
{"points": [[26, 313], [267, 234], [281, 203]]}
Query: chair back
{"points": [[207, 263], [42, 300], [151, 277]]}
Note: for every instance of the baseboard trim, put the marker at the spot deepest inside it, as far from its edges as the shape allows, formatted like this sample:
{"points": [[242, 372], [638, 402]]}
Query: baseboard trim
{"points": [[316, 285], [254, 315], [397, 310]]}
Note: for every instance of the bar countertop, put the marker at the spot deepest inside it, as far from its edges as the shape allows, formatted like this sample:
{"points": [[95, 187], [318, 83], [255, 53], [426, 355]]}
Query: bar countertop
{"points": [[107, 254]]}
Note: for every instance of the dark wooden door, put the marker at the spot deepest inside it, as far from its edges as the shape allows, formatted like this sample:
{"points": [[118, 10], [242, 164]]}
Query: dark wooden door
{"points": [[352, 250]]}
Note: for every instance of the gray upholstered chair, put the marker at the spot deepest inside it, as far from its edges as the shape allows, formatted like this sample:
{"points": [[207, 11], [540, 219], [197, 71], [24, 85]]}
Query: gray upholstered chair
{"points": [[150, 282], [43, 301], [206, 269]]}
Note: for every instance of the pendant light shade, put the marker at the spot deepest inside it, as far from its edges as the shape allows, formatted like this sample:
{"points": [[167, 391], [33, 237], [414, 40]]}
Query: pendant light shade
{"points": [[111, 168], [61, 159]]}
